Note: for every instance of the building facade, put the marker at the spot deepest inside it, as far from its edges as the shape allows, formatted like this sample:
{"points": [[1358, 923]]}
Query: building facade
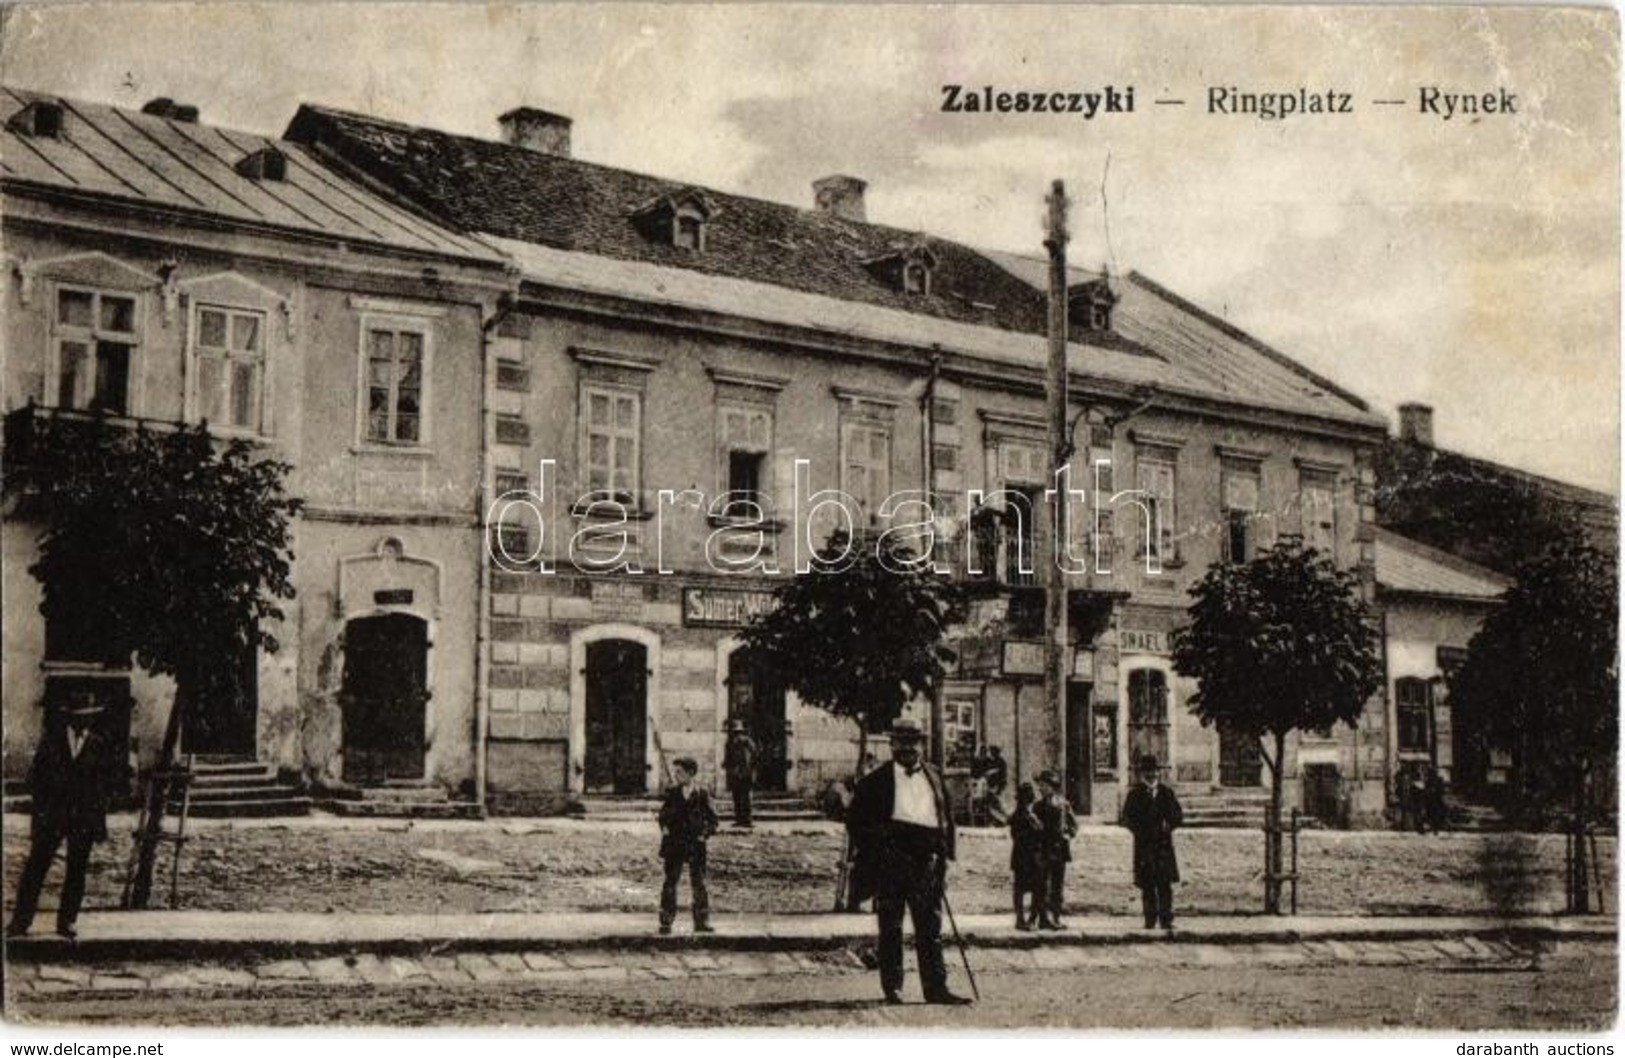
{"points": [[160, 271], [686, 373]]}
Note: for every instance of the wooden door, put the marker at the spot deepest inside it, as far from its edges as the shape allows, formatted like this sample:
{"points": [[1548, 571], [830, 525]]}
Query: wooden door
{"points": [[617, 719], [385, 698]]}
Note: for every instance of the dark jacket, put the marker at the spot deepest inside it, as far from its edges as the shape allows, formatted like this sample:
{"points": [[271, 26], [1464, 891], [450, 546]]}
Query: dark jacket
{"points": [[869, 822], [1152, 818], [1058, 825], [685, 822], [739, 760], [70, 794], [1026, 845]]}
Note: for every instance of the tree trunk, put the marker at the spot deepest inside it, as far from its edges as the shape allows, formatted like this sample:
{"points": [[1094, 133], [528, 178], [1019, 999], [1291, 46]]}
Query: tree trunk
{"points": [[158, 799], [1273, 852], [1579, 884], [863, 749]]}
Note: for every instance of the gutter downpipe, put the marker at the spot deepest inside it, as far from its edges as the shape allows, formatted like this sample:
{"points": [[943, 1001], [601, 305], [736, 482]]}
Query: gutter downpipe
{"points": [[506, 303]]}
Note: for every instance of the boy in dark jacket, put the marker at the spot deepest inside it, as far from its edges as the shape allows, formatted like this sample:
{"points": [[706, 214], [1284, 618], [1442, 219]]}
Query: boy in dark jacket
{"points": [[687, 820], [1059, 826], [1026, 858]]}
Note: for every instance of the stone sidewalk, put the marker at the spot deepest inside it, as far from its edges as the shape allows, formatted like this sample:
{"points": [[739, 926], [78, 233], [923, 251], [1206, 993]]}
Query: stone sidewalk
{"points": [[246, 953], [106, 936]]}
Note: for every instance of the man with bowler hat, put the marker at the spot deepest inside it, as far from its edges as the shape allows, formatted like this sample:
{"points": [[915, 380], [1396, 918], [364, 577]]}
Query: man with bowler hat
{"points": [[70, 783], [903, 836], [1151, 812], [1057, 827]]}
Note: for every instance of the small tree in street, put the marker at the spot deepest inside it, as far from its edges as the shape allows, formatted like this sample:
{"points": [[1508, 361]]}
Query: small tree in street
{"points": [[1542, 680], [859, 638], [172, 546], [1279, 644]]}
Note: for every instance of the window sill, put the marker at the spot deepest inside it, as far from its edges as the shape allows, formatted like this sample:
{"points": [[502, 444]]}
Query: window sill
{"points": [[84, 668], [404, 451], [724, 521], [628, 511]]}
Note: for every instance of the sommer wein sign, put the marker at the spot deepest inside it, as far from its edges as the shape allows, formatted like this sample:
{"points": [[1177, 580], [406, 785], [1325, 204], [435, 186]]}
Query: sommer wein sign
{"points": [[722, 608]]}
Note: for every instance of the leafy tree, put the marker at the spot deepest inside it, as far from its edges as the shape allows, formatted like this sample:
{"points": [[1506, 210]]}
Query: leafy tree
{"points": [[171, 545], [1279, 644], [1542, 679], [860, 634]]}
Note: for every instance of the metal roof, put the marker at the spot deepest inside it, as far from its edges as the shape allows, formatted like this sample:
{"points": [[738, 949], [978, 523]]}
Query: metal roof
{"points": [[127, 156], [1405, 566]]}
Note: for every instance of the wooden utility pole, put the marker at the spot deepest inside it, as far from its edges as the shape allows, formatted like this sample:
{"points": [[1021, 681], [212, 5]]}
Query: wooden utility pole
{"points": [[1056, 667]]}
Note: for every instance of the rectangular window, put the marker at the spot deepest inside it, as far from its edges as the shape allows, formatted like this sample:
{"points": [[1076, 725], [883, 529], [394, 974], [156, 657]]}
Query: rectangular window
{"points": [[1154, 472], [228, 367], [395, 384], [1317, 504], [866, 468], [612, 430], [1241, 488], [1022, 510], [94, 338], [1414, 706], [747, 441]]}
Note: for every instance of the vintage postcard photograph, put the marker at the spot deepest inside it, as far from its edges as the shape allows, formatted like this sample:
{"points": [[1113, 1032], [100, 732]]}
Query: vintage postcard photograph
{"points": [[918, 518]]}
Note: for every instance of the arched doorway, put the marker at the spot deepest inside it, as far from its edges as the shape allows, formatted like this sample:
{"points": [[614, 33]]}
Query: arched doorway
{"points": [[617, 717], [757, 699], [385, 698]]}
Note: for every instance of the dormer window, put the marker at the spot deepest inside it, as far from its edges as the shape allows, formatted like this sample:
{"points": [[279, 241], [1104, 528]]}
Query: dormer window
{"points": [[42, 118], [907, 269], [267, 163], [679, 219], [1089, 306], [688, 232]]}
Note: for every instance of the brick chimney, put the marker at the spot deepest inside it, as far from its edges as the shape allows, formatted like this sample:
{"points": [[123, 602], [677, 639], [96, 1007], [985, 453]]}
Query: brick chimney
{"points": [[1416, 424], [841, 196], [536, 130]]}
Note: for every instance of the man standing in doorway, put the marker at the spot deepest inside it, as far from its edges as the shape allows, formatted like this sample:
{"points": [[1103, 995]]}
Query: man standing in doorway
{"points": [[739, 764], [903, 837], [70, 782], [1152, 812]]}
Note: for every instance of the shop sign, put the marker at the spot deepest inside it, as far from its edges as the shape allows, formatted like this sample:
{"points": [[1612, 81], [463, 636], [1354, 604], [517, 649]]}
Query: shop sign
{"points": [[1022, 658], [614, 600], [1142, 641], [723, 608], [1083, 664], [393, 597]]}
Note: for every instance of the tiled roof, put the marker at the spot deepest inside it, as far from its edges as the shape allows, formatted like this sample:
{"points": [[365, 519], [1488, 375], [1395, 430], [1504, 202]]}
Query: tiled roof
{"points": [[569, 212], [494, 188], [1405, 566], [127, 156], [1215, 355]]}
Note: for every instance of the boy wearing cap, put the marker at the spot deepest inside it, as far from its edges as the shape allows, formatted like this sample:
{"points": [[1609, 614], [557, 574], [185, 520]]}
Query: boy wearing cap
{"points": [[1151, 812], [1058, 827], [70, 783], [687, 821], [903, 836]]}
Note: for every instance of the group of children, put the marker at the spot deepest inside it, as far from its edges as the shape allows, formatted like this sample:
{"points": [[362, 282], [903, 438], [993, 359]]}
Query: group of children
{"points": [[1042, 827]]}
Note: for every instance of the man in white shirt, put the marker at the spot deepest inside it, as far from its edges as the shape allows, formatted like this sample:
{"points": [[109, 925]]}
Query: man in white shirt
{"points": [[903, 834]]}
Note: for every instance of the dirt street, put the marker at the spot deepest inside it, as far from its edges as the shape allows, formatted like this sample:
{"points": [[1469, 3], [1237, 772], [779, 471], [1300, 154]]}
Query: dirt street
{"points": [[554, 865]]}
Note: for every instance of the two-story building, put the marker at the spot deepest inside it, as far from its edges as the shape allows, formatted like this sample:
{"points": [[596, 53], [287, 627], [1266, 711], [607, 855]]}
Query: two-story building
{"points": [[686, 374], [160, 271]]}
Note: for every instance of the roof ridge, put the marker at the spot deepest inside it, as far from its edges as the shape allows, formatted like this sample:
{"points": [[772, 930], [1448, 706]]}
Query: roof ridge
{"points": [[1256, 344], [670, 184], [1596, 496]]}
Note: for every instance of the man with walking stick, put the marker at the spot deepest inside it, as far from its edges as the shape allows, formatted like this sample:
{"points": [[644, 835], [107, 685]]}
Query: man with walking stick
{"points": [[903, 837]]}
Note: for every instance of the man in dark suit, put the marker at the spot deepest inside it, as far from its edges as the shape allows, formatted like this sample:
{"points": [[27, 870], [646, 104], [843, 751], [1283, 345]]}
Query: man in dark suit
{"points": [[739, 764], [903, 836], [1151, 812], [70, 783], [687, 822], [1058, 826]]}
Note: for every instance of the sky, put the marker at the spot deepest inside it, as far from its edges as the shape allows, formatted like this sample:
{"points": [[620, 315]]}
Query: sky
{"points": [[1470, 264]]}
